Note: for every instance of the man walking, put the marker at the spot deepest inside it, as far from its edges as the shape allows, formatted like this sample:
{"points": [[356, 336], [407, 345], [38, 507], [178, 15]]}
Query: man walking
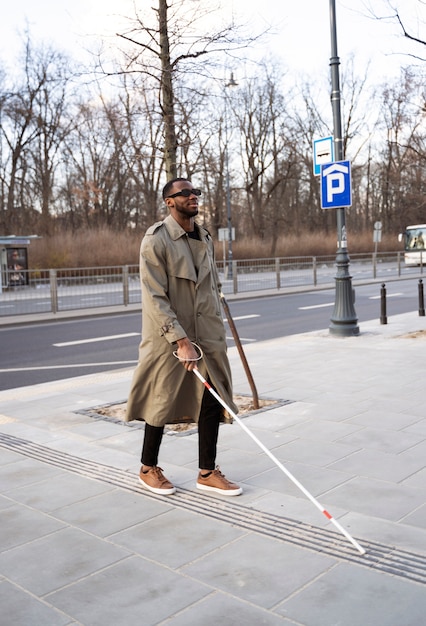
{"points": [[180, 308]]}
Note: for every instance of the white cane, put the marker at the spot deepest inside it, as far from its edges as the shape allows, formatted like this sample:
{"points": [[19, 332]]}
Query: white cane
{"points": [[278, 463]]}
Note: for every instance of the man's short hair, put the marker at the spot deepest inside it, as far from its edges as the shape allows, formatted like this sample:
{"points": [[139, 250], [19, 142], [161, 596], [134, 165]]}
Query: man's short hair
{"points": [[169, 185]]}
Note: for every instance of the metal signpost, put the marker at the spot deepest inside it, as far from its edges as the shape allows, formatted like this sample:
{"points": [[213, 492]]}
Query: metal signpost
{"points": [[377, 235], [344, 321], [226, 235]]}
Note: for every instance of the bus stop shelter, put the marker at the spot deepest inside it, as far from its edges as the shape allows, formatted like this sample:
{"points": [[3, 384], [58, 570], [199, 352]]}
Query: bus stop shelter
{"points": [[14, 261]]}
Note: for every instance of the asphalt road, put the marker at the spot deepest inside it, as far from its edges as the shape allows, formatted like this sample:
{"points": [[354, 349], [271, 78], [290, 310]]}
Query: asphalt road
{"points": [[41, 352]]}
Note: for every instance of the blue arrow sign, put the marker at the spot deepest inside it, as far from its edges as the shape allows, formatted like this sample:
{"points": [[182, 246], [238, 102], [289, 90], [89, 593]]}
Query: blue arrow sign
{"points": [[336, 188]]}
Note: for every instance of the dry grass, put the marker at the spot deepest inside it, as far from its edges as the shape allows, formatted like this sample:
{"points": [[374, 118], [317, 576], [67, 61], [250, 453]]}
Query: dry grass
{"points": [[106, 247], [86, 248], [312, 244]]}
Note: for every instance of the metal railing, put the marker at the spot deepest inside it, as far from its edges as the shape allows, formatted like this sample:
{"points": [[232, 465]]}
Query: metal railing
{"points": [[54, 290], [71, 288]]}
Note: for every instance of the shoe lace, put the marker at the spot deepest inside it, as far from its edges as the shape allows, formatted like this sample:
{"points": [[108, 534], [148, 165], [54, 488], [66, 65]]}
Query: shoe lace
{"points": [[158, 471], [219, 474]]}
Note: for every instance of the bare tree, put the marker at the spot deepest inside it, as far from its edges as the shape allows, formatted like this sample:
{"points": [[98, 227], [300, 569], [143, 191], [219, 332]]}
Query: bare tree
{"points": [[267, 152], [393, 14], [94, 172], [304, 196], [142, 153], [402, 165], [175, 48], [53, 124], [18, 129], [32, 127]]}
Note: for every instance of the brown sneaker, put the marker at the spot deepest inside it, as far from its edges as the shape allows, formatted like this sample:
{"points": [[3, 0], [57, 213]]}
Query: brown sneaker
{"points": [[216, 481], [155, 481]]}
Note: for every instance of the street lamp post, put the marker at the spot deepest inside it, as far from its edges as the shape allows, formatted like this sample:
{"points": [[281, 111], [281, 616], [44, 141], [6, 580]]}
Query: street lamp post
{"points": [[344, 319], [231, 83]]}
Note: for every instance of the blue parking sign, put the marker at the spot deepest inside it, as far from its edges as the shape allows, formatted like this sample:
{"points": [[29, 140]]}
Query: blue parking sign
{"points": [[336, 188]]}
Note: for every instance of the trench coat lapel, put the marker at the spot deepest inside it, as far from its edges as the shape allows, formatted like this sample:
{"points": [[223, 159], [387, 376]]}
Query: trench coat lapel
{"points": [[197, 256]]}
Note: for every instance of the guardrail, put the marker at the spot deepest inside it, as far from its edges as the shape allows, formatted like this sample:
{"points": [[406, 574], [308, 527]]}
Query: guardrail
{"points": [[54, 290]]}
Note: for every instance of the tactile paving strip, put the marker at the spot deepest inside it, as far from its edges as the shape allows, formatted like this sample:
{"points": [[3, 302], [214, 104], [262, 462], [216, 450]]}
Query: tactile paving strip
{"points": [[380, 557]]}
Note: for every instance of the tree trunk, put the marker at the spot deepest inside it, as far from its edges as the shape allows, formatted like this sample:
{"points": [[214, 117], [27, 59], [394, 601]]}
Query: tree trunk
{"points": [[170, 142]]}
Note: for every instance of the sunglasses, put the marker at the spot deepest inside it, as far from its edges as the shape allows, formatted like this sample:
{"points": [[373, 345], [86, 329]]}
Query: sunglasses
{"points": [[186, 193]]}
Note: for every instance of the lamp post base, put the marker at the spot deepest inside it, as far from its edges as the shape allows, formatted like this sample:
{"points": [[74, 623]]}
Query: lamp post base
{"points": [[343, 321]]}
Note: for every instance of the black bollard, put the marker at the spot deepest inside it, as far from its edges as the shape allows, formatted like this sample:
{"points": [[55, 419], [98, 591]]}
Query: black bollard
{"points": [[383, 318], [421, 299]]}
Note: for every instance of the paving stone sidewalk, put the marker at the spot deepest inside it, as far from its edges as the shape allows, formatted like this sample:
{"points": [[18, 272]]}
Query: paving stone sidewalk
{"points": [[83, 543]]}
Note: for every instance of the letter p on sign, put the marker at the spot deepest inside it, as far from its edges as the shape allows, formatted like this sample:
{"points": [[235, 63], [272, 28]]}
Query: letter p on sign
{"points": [[335, 184]]}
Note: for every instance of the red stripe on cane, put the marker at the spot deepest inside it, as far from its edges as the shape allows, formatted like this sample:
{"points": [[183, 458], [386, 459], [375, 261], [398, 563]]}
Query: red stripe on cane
{"points": [[327, 514], [206, 384]]}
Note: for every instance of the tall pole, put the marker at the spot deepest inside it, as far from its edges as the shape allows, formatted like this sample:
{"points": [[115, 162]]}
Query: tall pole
{"points": [[231, 83], [228, 209], [344, 319]]}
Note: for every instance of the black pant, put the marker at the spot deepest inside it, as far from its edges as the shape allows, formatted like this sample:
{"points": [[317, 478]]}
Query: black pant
{"points": [[208, 431]]}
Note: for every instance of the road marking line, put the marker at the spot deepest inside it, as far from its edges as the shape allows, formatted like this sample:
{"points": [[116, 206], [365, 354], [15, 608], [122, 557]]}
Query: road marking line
{"points": [[243, 317], [62, 367], [388, 295], [315, 306], [93, 340], [93, 299], [242, 339]]}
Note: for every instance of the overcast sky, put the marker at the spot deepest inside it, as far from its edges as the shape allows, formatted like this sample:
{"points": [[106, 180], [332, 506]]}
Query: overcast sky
{"points": [[300, 28]]}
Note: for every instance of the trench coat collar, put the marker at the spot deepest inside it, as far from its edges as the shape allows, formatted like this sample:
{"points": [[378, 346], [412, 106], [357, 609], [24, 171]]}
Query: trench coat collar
{"points": [[176, 231]]}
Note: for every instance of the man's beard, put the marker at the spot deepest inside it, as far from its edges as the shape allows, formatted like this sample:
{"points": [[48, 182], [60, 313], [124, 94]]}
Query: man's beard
{"points": [[188, 212]]}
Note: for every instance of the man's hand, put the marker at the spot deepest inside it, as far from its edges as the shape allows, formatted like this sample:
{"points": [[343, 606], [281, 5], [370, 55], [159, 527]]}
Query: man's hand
{"points": [[187, 354]]}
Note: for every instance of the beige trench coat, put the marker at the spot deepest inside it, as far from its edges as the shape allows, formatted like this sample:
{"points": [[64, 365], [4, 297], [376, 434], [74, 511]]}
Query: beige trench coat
{"points": [[177, 301]]}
